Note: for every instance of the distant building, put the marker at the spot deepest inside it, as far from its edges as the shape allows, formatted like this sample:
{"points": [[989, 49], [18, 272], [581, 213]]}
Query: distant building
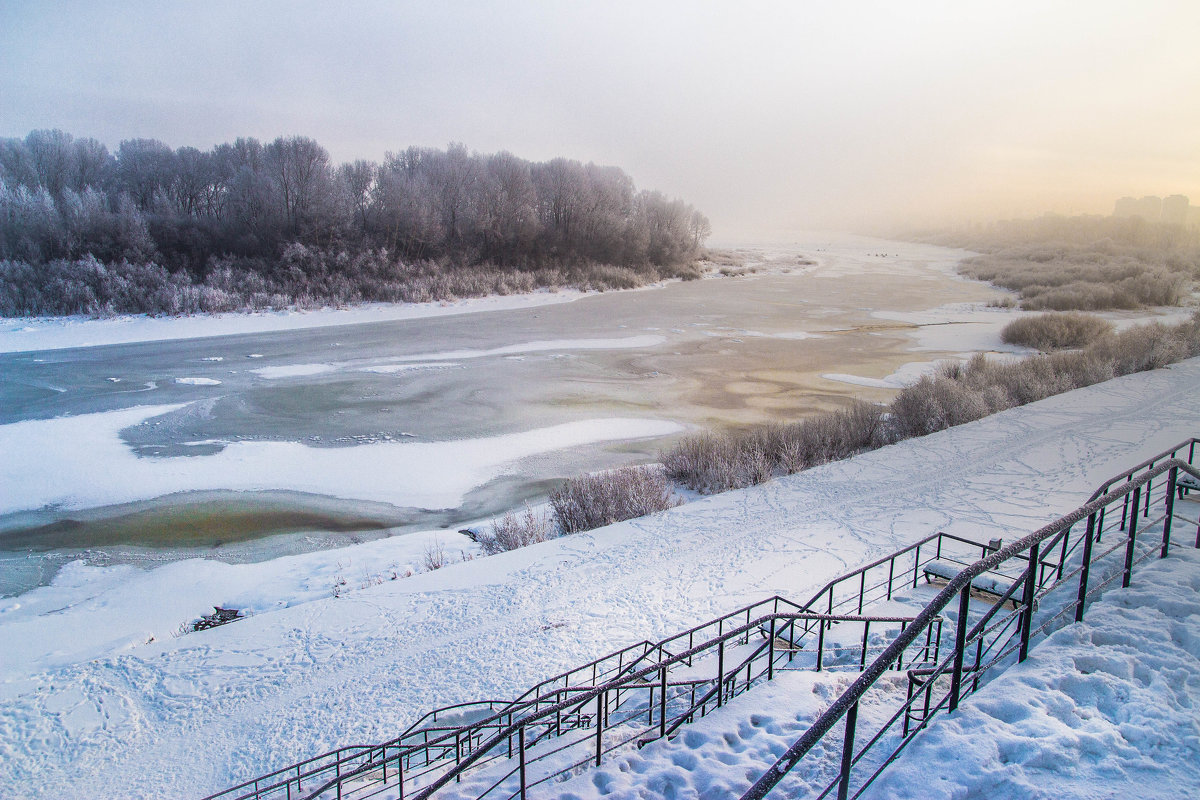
{"points": [[1149, 208], [1175, 210], [1126, 207]]}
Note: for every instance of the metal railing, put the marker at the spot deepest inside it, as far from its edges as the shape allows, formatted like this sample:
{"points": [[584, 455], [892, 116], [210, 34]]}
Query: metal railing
{"points": [[795, 637], [1049, 591], [649, 689]]}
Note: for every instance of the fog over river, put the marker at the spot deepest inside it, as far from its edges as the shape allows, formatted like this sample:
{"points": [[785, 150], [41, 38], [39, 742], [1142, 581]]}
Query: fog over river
{"points": [[253, 445]]}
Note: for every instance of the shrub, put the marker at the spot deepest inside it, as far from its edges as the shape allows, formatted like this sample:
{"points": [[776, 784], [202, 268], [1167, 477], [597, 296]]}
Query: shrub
{"points": [[1047, 332], [824, 437], [710, 462], [435, 556], [304, 277], [715, 462], [593, 501], [958, 392], [511, 532], [1085, 278]]}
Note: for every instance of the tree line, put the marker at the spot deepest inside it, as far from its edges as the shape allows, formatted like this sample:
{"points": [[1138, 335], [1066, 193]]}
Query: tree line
{"points": [[243, 206]]}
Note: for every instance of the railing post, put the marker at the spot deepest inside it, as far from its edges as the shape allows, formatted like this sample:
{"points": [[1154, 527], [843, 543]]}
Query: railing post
{"points": [[720, 673], [1146, 513], [1127, 574], [862, 659], [908, 706], [1062, 554], [891, 574], [457, 755], [820, 643], [1087, 563], [960, 640], [862, 589], [848, 751], [771, 651], [521, 750], [1027, 600], [1171, 479], [916, 565], [599, 726], [662, 702], [978, 658]]}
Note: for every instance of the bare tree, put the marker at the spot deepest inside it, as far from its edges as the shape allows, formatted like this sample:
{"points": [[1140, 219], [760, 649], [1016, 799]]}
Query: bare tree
{"points": [[144, 170], [300, 168], [357, 182]]}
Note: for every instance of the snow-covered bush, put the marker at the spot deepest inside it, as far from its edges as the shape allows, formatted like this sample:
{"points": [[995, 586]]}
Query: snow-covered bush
{"points": [[717, 462], [512, 531], [1048, 332], [711, 462], [592, 501]]}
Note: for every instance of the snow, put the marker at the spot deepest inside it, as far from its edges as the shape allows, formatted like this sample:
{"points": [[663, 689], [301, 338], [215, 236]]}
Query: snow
{"points": [[385, 369], [293, 370], [82, 461], [92, 712], [89, 612], [198, 381], [1104, 708], [27, 334], [969, 328], [906, 375], [625, 342]]}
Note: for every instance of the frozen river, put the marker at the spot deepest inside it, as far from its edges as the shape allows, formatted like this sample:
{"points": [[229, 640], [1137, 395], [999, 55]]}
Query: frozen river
{"points": [[250, 445]]}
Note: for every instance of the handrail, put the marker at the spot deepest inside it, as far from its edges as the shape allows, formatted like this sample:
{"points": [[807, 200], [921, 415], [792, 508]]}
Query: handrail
{"points": [[1149, 462], [872, 673], [540, 693], [622, 675], [587, 694]]}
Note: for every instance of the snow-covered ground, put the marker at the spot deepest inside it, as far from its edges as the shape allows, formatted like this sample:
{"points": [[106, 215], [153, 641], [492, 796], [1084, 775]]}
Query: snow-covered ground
{"points": [[82, 461], [19, 335], [1106, 708], [1109, 707], [92, 712]]}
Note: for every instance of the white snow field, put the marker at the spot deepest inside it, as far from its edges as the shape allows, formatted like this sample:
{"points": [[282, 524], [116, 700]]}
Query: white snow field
{"points": [[81, 461], [23, 334], [187, 716]]}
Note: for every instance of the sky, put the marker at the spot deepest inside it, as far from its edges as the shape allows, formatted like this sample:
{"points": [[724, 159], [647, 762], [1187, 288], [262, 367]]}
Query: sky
{"points": [[771, 117]]}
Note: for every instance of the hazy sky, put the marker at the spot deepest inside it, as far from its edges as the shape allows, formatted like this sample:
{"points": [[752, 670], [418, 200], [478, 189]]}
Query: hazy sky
{"points": [[770, 117]]}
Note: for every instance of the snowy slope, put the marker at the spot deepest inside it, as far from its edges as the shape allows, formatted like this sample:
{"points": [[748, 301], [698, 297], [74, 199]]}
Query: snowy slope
{"points": [[1105, 708], [287, 684]]}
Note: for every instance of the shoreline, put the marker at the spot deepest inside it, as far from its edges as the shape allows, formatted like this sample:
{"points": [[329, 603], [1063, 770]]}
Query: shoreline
{"points": [[35, 334]]}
